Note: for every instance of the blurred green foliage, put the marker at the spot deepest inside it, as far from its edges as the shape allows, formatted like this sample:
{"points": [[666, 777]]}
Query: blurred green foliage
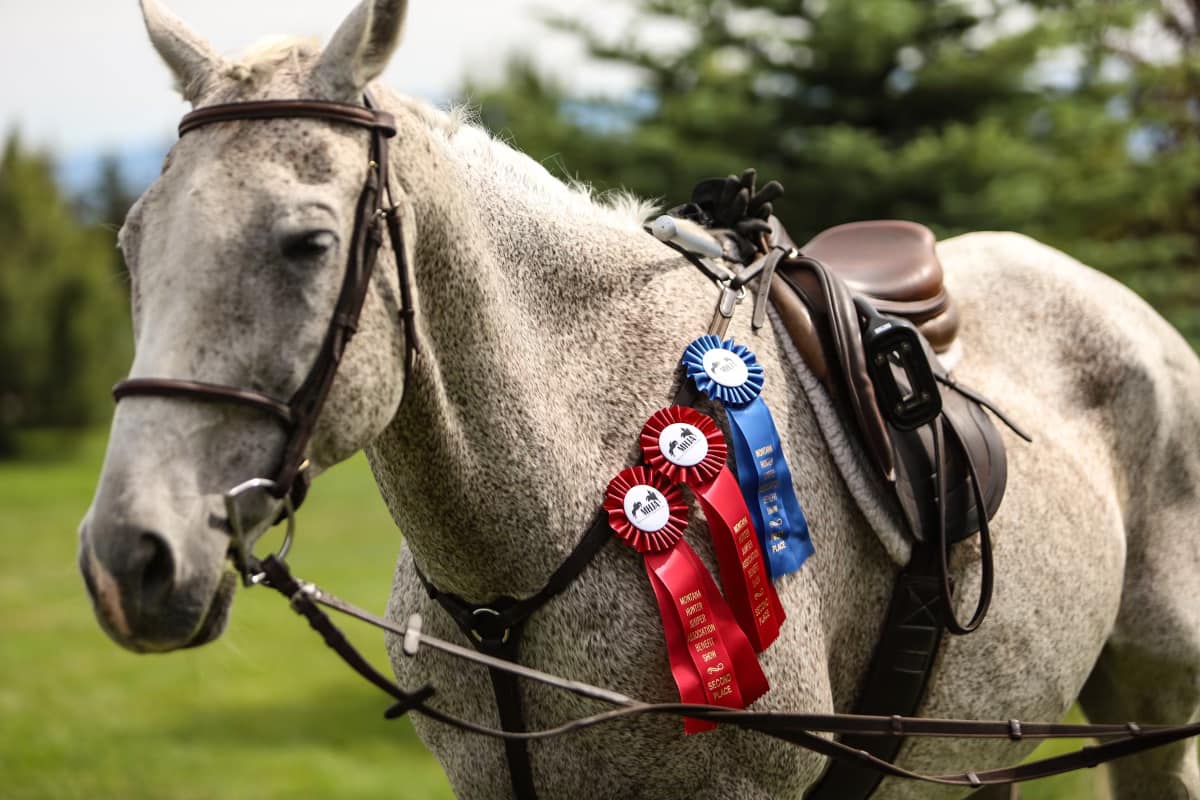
{"points": [[64, 332], [1074, 121]]}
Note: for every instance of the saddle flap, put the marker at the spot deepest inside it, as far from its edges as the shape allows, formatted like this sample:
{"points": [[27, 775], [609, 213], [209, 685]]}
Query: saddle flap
{"points": [[821, 315], [811, 299]]}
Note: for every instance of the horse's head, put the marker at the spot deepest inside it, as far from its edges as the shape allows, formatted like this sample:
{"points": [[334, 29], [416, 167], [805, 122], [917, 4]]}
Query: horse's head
{"points": [[236, 256]]}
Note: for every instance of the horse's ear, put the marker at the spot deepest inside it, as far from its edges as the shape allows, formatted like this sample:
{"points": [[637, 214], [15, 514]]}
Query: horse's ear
{"points": [[361, 48], [189, 56]]}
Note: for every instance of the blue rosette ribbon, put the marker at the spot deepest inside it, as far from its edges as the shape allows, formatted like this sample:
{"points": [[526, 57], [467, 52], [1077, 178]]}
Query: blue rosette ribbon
{"points": [[730, 375]]}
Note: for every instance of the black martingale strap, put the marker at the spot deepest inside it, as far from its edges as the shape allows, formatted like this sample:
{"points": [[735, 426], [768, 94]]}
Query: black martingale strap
{"points": [[496, 629], [899, 672]]}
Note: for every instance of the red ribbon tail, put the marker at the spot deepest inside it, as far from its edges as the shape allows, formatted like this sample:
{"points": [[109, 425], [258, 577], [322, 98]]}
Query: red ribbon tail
{"points": [[687, 679], [748, 588], [696, 616]]}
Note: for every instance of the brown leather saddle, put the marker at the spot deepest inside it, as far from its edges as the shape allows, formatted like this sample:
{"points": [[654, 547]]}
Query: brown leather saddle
{"points": [[825, 294]]}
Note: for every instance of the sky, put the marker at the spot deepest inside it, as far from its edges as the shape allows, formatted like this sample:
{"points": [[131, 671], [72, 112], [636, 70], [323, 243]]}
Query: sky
{"points": [[80, 76]]}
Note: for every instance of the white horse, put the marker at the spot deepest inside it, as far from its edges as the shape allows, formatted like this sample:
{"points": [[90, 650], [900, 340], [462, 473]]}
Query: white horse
{"points": [[550, 328]]}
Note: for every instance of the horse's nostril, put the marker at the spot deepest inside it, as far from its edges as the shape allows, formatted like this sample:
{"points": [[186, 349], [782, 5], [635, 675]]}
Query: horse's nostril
{"points": [[158, 569]]}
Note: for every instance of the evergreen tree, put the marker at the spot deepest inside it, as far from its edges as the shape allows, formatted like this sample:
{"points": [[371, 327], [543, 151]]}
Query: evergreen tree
{"points": [[64, 334], [1068, 120]]}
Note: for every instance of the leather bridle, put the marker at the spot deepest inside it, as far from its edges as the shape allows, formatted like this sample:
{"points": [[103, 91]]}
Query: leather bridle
{"points": [[374, 211]]}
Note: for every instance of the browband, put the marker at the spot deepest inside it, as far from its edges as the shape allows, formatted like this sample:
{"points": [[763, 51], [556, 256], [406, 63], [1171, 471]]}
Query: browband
{"points": [[361, 116]]}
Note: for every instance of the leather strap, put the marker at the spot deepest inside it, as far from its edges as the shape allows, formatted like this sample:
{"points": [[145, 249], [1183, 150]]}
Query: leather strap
{"points": [[512, 714], [896, 679], [798, 729], [363, 116], [944, 434], [169, 387], [281, 580], [496, 628]]}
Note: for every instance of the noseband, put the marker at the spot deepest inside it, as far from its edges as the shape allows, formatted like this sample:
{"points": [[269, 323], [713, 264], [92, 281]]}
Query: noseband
{"points": [[299, 414]]}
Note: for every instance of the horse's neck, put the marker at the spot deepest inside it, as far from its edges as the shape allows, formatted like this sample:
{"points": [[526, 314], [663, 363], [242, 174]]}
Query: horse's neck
{"points": [[550, 332]]}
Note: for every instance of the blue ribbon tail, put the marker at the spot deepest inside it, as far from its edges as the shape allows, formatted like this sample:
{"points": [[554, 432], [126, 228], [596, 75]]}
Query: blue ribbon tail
{"points": [[766, 483]]}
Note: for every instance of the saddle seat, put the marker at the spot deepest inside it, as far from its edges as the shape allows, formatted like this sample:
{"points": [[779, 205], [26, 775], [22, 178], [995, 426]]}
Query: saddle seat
{"points": [[894, 263]]}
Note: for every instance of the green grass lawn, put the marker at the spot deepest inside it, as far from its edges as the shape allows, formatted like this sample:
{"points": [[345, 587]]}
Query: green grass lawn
{"points": [[265, 712]]}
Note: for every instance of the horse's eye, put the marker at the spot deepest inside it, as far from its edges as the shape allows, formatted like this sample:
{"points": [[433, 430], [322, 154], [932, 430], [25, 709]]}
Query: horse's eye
{"points": [[309, 245]]}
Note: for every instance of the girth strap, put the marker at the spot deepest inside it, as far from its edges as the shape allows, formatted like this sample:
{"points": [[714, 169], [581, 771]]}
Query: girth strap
{"points": [[898, 674]]}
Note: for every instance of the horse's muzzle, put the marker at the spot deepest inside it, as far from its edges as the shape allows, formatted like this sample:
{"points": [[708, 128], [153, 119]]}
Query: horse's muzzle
{"points": [[139, 597]]}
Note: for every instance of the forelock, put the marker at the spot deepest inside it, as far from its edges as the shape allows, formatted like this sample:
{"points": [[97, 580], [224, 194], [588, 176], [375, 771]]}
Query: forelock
{"points": [[261, 62]]}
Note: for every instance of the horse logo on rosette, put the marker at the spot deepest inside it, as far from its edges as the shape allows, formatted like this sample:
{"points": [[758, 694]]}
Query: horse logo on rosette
{"points": [[726, 367], [683, 444], [646, 508], [724, 364], [687, 436]]}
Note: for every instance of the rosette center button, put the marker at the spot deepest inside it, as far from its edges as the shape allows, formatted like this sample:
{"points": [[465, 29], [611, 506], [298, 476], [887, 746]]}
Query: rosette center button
{"points": [[646, 508], [725, 367], [682, 444]]}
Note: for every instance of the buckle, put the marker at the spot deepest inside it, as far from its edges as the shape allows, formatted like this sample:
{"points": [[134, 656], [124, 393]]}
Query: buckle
{"points": [[905, 387]]}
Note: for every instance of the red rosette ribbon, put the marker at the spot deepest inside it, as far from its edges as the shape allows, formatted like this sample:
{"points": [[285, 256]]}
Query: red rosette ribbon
{"points": [[711, 659], [688, 448]]}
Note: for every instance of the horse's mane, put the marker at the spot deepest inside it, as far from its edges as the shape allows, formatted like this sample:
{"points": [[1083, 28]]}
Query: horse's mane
{"points": [[458, 126]]}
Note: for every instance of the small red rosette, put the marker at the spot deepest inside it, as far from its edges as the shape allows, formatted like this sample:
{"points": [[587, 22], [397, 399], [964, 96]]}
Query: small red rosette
{"points": [[688, 448], [645, 510], [711, 659]]}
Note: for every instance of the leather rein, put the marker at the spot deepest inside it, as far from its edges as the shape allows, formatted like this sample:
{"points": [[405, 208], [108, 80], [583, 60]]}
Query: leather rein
{"points": [[299, 414], [1122, 739]]}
